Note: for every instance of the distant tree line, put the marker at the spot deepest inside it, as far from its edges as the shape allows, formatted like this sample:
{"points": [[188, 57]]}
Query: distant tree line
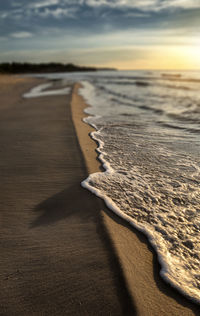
{"points": [[23, 68]]}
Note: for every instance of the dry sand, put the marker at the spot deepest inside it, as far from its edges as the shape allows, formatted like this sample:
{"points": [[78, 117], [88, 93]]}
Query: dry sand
{"points": [[56, 257], [151, 295]]}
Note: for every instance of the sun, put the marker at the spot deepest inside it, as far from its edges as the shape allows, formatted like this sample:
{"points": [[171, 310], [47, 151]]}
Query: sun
{"points": [[192, 54]]}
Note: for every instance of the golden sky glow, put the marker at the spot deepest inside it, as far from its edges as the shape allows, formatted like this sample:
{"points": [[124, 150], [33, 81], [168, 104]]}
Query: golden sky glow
{"points": [[169, 57], [153, 57]]}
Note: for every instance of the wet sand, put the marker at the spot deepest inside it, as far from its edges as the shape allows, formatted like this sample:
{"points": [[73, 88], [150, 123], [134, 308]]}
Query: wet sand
{"points": [[56, 256], [151, 295], [62, 251]]}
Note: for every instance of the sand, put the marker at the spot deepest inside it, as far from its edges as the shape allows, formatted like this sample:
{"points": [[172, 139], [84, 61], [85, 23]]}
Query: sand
{"points": [[56, 257], [150, 294], [62, 251]]}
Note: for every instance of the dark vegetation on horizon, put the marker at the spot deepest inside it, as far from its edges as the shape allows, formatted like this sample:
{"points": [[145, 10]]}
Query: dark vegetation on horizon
{"points": [[22, 68]]}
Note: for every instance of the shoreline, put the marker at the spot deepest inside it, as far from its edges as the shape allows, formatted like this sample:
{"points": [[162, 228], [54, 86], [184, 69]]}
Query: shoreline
{"points": [[137, 257], [56, 256], [55, 233]]}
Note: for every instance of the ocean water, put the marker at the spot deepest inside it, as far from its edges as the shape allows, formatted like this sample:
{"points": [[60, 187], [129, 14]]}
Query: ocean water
{"points": [[148, 129], [44, 90]]}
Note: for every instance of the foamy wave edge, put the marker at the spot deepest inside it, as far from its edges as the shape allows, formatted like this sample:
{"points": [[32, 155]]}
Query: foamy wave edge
{"points": [[167, 269]]}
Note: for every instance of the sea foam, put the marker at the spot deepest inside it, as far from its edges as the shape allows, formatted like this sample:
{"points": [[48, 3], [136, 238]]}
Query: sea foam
{"points": [[41, 91], [149, 181]]}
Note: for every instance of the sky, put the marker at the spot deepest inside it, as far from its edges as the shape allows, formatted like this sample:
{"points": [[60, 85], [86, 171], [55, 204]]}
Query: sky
{"points": [[125, 34]]}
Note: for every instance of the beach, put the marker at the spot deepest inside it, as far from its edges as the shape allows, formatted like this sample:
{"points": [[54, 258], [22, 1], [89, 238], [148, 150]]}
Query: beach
{"points": [[62, 251]]}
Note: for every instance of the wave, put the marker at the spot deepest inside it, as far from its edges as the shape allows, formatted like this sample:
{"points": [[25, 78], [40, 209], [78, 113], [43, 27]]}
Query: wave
{"points": [[150, 192], [180, 88], [183, 128], [142, 83], [165, 75], [169, 272], [146, 82]]}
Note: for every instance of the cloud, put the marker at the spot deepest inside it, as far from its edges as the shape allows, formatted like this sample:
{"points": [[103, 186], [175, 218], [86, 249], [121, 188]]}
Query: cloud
{"points": [[43, 4], [139, 5], [57, 13], [184, 4], [145, 5], [21, 35], [87, 17], [137, 15], [3, 15], [58, 9]]}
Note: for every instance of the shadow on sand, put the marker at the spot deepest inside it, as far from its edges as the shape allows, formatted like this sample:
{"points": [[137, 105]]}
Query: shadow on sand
{"points": [[76, 202]]}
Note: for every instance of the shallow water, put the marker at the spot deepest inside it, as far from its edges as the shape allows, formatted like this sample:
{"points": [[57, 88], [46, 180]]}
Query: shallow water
{"points": [[148, 129]]}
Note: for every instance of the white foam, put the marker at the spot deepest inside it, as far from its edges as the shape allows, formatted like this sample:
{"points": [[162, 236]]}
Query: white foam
{"points": [[40, 91], [173, 267], [169, 272]]}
